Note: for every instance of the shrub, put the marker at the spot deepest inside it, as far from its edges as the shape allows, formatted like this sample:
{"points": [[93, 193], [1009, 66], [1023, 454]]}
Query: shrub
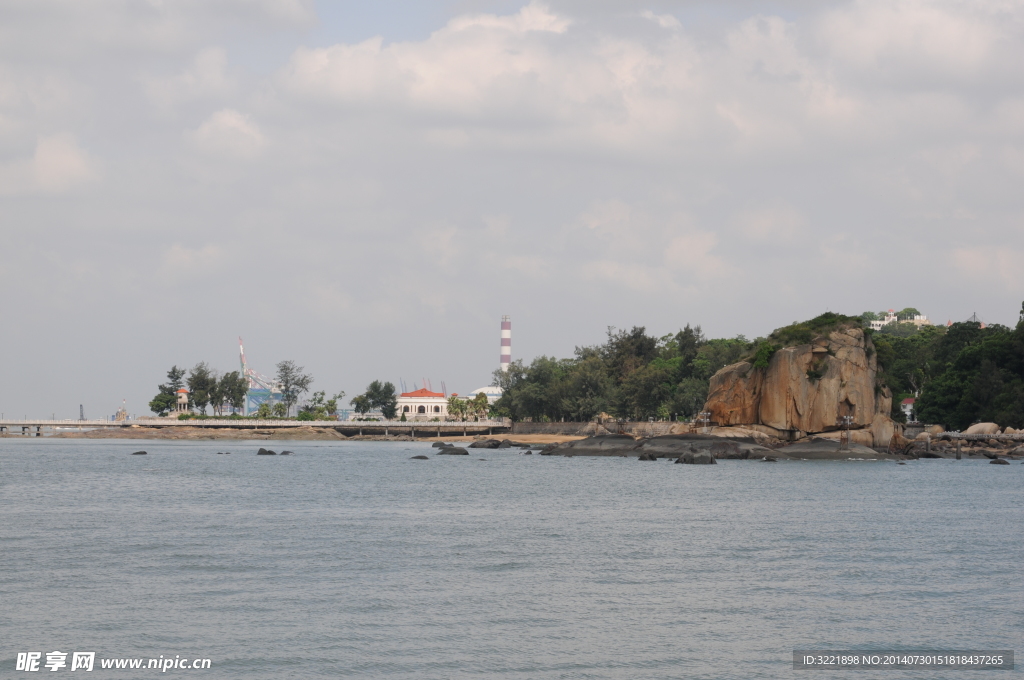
{"points": [[765, 352]]}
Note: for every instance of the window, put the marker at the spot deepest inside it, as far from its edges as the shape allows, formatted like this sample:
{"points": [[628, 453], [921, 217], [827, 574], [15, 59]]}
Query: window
{"points": [[421, 409], [437, 409], [405, 409]]}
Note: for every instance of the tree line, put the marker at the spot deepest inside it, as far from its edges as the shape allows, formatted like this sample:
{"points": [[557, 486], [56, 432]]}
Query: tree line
{"points": [[961, 374]]}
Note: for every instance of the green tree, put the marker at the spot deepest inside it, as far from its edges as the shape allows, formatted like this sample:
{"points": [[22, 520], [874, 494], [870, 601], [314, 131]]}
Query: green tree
{"points": [[293, 383], [332, 403], [479, 405], [382, 395], [907, 314], [234, 387], [201, 382], [280, 409], [264, 411], [361, 403], [457, 407], [315, 408], [167, 397]]}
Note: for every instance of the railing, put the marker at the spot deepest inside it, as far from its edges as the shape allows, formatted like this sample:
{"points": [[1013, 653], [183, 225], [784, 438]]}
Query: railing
{"points": [[253, 423]]}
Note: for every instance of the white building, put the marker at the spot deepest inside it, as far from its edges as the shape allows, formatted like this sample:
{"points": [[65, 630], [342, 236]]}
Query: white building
{"points": [[423, 405], [918, 320], [493, 393]]}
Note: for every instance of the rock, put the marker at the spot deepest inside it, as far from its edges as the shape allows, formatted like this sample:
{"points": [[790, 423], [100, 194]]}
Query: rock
{"points": [[139, 453], [441, 445], [785, 398], [901, 463], [728, 451], [485, 444], [419, 458], [990, 455], [733, 394], [769, 459], [527, 453], [697, 458], [982, 428], [504, 444], [453, 451], [1010, 430], [647, 456], [934, 429], [603, 445], [265, 452], [999, 461], [287, 453]]}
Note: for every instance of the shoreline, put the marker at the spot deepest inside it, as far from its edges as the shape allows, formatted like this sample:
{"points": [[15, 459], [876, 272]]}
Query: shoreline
{"points": [[285, 434]]}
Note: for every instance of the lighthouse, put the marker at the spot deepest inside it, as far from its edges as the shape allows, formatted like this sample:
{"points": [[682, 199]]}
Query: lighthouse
{"points": [[506, 342]]}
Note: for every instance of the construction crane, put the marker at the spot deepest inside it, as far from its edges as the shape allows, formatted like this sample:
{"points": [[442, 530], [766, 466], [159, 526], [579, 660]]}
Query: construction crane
{"points": [[262, 390]]}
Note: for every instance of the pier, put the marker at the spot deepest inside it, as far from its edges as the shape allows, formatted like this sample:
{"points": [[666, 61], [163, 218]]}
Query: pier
{"points": [[39, 428]]}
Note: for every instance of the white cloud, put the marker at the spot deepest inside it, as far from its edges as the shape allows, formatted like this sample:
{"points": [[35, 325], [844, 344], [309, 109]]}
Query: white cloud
{"points": [[230, 134], [205, 77], [663, 20], [58, 165]]}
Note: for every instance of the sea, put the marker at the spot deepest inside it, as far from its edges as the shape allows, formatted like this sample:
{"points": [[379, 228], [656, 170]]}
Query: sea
{"points": [[352, 560]]}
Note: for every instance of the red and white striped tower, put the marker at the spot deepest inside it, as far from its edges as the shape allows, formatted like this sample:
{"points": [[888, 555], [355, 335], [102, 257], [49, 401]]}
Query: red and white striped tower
{"points": [[506, 342]]}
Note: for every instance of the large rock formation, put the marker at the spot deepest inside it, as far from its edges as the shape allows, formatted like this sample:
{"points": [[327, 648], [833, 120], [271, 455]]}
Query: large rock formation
{"points": [[806, 389]]}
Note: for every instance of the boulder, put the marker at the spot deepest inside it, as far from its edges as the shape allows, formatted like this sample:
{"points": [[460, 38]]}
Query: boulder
{"points": [[419, 458], [733, 394], [453, 451], [728, 450], [139, 453], [882, 430], [265, 452], [934, 429], [287, 453], [603, 445], [982, 428], [999, 461], [769, 459], [485, 444], [504, 444], [647, 456], [1010, 430], [805, 388], [441, 445], [697, 458]]}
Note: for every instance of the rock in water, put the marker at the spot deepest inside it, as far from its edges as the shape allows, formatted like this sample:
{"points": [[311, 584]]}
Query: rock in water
{"points": [[265, 452], [999, 461], [485, 444], [770, 459], [697, 458], [419, 458], [647, 456], [440, 445], [453, 451], [287, 453], [139, 453], [504, 444]]}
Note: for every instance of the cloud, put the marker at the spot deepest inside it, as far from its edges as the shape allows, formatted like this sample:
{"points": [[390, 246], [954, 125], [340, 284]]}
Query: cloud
{"points": [[206, 77], [228, 134], [58, 165]]}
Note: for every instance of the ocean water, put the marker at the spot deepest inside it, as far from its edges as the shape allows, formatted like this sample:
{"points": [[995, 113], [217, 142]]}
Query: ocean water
{"points": [[351, 560]]}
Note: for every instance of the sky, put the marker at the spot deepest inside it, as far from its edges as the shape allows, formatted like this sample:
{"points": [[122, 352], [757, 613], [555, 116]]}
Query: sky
{"points": [[366, 188]]}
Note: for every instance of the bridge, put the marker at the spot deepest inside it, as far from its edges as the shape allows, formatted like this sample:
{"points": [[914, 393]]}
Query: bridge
{"points": [[37, 428]]}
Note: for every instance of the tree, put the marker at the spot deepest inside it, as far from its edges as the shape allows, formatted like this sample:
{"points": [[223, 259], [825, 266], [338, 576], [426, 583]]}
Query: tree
{"points": [[234, 388], [167, 397], [201, 381], [264, 411], [457, 407], [293, 383], [382, 395], [479, 405], [280, 409], [332, 403], [361, 403], [907, 314]]}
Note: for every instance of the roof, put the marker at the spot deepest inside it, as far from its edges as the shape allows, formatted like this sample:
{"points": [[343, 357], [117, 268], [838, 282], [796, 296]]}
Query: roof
{"points": [[182, 390], [908, 401], [422, 392]]}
